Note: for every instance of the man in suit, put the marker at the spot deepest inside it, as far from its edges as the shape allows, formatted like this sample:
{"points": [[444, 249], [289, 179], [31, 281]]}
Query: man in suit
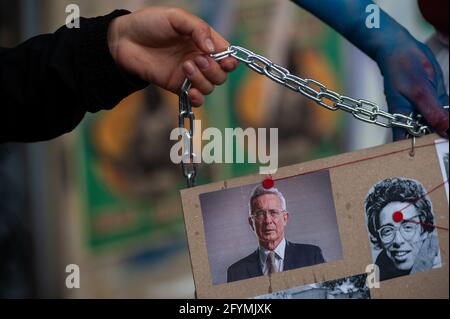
{"points": [[268, 218]]}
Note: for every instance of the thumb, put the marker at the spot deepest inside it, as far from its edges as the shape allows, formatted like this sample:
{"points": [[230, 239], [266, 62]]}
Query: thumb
{"points": [[424, 96], [187, 24]]}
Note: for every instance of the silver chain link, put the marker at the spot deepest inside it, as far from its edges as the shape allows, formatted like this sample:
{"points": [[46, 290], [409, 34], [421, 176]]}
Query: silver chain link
{"points": [[361, 109], [188, 165]]}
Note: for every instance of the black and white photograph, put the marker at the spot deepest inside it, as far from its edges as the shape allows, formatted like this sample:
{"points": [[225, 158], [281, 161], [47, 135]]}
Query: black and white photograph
{"points": [[442, 152], [253, 231], [400, 220], [354, 287]]}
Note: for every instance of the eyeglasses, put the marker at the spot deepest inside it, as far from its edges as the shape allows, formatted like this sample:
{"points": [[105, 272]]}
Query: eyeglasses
{"points": [[261, 214], [407, 229]]}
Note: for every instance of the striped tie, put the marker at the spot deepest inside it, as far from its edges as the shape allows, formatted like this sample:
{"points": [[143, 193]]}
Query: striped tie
{"points": [[271, 263]]}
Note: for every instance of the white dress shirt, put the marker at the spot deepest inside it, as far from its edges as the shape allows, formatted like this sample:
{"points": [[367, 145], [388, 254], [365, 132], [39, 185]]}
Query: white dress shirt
{"points": [[279, 257]]}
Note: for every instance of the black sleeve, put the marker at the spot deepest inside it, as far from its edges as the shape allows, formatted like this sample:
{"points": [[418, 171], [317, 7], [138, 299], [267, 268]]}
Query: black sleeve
{"points": [[49, 82]]}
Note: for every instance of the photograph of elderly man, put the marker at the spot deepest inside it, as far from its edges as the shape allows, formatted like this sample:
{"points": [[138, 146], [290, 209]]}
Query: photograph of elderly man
{"points": [[268, 217]]}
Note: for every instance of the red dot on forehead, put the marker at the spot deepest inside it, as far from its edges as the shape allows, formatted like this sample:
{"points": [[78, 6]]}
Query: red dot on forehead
{"points": [[268, 183], [397, 216]]}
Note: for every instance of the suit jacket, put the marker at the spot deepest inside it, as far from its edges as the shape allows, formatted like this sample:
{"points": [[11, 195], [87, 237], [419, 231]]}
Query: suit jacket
{"points": [[295, 256]]}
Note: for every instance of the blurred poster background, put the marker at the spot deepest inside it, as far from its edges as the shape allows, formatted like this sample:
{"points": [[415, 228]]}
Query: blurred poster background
{"points": [[106, 196]]}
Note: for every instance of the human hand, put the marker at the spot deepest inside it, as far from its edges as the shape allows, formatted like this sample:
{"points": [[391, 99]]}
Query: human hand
{"points": [[428, 254], [166, 45], [413, 82]]}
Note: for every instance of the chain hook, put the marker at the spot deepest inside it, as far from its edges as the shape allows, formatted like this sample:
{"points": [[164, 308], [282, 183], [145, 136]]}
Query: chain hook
{"points": [[417, 130], [412, 152]]}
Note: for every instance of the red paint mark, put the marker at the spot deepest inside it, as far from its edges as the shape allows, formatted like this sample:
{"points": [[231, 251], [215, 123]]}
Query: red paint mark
{"points": [[268, 183], [397, 216]]}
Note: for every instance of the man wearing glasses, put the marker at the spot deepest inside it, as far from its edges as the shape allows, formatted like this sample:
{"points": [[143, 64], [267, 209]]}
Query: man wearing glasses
{"points": [[399, 217], [268, 218]]}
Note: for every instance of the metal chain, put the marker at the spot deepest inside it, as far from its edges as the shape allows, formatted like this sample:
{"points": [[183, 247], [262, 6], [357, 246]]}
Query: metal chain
{"points": [[188, 165], [361, 109]]}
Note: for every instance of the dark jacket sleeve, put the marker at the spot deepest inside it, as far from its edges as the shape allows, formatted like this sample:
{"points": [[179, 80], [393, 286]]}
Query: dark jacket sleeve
{"points": [[49, 82]]}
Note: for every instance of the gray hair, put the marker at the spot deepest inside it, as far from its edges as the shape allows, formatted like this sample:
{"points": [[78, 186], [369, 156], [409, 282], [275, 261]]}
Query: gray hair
{"points": [[260, 190]]}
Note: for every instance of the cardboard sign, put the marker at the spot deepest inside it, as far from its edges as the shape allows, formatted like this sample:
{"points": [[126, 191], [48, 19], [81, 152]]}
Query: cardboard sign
{"points": [[378, 212]]}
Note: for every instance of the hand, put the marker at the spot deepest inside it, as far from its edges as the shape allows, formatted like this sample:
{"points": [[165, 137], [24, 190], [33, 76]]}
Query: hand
{"points": [[165, 45], [414, 82], [428, 254]]}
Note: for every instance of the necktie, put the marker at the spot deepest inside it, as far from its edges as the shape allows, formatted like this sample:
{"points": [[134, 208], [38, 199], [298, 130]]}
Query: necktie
{"points": [[271, 263]]}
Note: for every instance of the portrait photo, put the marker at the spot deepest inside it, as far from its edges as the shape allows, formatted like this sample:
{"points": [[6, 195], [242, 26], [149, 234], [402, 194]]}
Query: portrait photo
{"points": [[442, 153], [401, 225], [253, 231]]}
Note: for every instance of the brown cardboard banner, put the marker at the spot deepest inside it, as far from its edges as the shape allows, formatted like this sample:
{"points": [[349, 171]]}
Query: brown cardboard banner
{"points": [[326, 204]]}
